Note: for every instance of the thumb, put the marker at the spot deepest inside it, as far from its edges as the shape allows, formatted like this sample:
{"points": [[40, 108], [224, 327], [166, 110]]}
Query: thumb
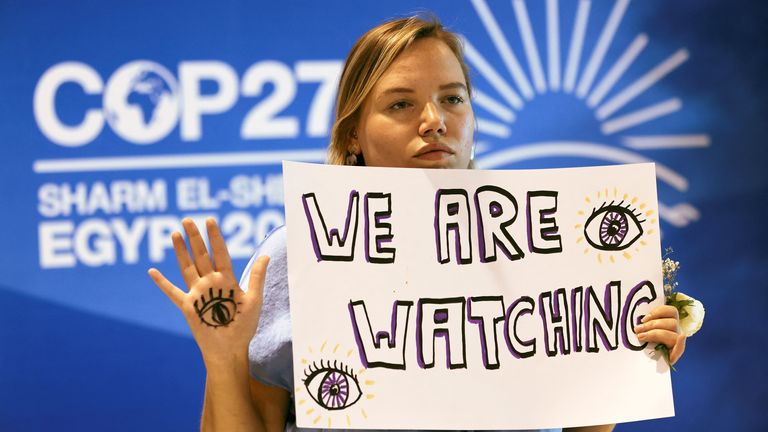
{"points": [[678, 349], [172, 291], [257, 276]]}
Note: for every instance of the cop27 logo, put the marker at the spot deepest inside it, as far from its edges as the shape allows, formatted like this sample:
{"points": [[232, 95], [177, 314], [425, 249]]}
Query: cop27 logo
{"points": [[142, 100], [585, 77]]}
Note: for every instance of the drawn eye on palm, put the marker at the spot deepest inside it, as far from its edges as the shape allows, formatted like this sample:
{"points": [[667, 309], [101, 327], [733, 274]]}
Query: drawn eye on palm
{"points": [[217, 309]]}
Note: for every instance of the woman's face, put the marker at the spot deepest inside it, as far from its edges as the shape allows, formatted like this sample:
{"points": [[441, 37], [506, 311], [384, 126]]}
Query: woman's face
{"points": [[419, 114]]}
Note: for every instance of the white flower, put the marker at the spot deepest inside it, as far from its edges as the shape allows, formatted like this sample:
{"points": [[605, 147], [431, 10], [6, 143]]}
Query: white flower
{"points": [[692, 323]]}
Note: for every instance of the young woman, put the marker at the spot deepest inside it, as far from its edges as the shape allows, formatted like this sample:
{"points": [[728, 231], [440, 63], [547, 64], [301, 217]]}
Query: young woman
{"points": [[403, 101]]}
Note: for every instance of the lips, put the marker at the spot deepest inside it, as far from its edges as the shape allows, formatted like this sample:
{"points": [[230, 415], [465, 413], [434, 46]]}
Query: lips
{"points": [[434, 151]]}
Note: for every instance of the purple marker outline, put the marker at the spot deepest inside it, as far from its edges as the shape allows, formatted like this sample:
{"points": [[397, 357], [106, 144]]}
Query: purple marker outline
{"points": [[380, 335], [377, 223], [629, 315], [577, 300], [549, 233], [530, 342], [557, 318], [440, 332], [481, 324], [612, 320], [503, 227], [441, 316], [453, 226], [353, 200]]}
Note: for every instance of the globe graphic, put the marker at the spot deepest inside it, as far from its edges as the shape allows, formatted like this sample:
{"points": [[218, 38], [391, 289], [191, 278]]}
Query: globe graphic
{"points": [[141, 102], [145, 93]]}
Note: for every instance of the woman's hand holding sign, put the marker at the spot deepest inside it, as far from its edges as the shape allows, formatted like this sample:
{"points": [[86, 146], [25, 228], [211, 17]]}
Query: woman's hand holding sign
{"points": [[662, 326]]}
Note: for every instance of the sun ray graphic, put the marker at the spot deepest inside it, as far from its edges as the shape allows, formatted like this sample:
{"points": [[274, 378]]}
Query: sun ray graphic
{"points": [[590, 73], [321, 409], [610, 235]]}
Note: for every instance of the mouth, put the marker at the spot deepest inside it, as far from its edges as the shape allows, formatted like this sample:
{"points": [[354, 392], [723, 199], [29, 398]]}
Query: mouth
{"points": [[435, 151]]}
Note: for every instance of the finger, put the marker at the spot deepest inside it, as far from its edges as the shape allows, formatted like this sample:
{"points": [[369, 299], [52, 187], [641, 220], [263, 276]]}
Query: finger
{"points": [[199, 251], [658, 323], [666, 337], [174, 293], [677, 352], [187, 267], [664, 311], [257, 276], [221, 260]]}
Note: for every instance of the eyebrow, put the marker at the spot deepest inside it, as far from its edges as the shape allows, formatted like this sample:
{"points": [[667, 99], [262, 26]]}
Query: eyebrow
{"points": [[449, 86], [453, 85]]}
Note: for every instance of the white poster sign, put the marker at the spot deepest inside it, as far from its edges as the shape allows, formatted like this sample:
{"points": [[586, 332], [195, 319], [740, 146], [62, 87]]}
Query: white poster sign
{"points": [[467, 299]]}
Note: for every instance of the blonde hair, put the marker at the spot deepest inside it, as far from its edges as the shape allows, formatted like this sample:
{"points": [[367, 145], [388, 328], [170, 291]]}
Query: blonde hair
{"points": [[369, 58]]}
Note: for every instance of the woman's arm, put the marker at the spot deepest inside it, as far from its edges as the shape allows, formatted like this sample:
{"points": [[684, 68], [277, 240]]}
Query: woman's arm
{"points": [[236, 402], [223, 320], [227, 404], [661, 325]]}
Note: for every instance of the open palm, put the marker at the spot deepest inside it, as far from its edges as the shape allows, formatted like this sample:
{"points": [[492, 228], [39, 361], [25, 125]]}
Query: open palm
{"points": [[222, 317]]}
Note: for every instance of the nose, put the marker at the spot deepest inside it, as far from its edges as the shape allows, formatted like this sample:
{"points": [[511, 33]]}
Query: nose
{"points": [[432, 120]]}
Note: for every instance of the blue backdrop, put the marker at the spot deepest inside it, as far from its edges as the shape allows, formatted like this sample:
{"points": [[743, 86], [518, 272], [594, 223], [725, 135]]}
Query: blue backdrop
{"points": [[119, 118]]}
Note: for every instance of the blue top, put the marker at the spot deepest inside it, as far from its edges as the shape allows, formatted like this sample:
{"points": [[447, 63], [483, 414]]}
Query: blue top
{"points": [[270, 351]]}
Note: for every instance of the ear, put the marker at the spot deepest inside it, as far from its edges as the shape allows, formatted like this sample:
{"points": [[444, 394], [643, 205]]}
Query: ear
{"points": [[353, 146]]}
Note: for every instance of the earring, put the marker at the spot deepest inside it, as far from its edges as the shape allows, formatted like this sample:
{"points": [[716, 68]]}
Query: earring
{"points": [[353, 153], [351, 159]]}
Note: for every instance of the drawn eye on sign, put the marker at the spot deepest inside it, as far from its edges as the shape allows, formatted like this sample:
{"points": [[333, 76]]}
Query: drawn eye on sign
{"points": [[614, 224], [332, 385], [337, 392]]}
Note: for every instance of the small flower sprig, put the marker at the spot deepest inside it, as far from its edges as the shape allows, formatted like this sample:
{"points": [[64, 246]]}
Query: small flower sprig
{"points": [[690, 310]]}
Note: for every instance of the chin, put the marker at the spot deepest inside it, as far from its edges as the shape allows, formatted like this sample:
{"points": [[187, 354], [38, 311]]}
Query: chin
{"points": [[431, 165], [451, 164]]}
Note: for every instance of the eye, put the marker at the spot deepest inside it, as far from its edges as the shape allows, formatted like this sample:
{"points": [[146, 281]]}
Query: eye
{"points": [[333, 387], [397, 106], [216, 310], [613, 227], [454, 100]]}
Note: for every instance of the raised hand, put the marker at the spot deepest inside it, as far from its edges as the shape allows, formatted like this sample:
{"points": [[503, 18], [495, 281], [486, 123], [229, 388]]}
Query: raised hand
{"points": [[222, 317]]}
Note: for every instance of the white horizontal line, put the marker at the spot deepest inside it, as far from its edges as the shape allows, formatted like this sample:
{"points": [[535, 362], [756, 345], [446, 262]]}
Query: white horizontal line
{"points": [[490, 127], [641, 116], [492, 106], [679, 215], [617, 70], [490, 74], [666, 141], [171, 161], [642, 84], [503, 48], [578, 149]]}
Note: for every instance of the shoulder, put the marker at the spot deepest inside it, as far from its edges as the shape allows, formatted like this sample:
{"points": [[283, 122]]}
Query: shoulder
{"points": [[275, 247], [270, 349]]}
